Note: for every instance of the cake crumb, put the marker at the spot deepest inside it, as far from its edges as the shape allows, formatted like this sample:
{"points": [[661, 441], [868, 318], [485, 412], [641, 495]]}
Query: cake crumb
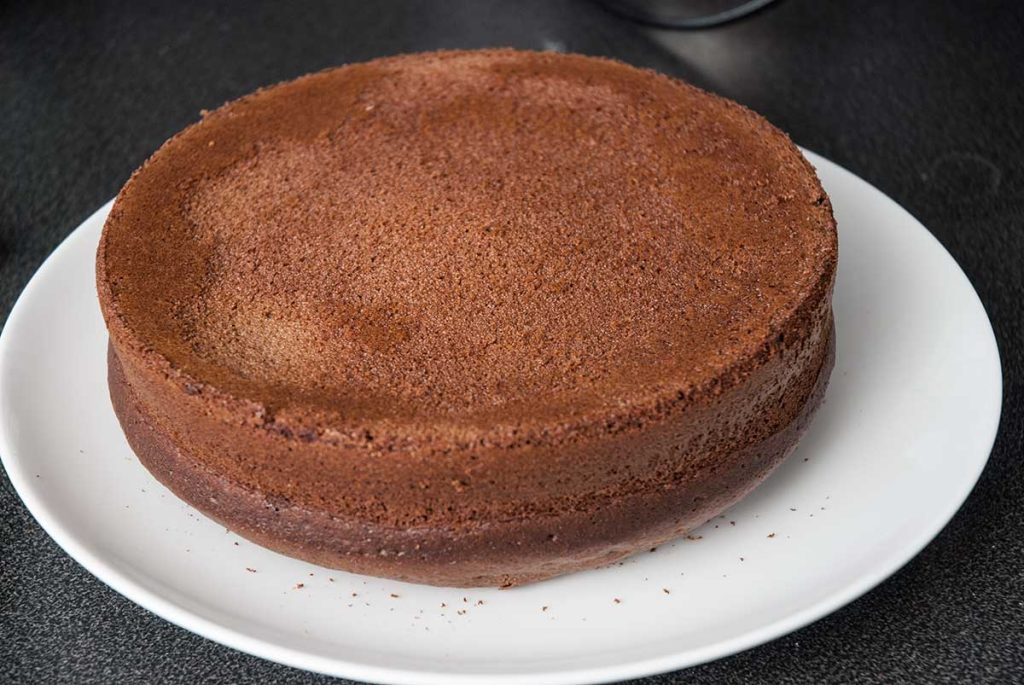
{"points": [[771, 535], [299, 586], [666, 591], [394, 596], [617, 600], [544, 608]]}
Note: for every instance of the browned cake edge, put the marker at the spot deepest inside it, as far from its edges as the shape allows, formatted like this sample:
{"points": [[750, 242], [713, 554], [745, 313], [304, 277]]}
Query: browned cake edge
{"points": [[497, 554]]}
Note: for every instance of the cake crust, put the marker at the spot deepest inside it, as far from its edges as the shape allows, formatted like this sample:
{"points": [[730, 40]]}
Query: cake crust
{"points": [[469, 318], [501, 554]]}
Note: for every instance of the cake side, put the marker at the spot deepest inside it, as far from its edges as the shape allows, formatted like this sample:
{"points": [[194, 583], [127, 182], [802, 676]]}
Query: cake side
{"points": [[498, 553]]}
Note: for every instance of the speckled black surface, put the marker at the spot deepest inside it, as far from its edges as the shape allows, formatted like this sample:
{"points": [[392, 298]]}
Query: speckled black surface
{"points": [[924, 99]]}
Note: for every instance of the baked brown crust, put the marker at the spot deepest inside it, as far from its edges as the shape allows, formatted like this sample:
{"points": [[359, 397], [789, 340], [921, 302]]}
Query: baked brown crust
{"points": [[469, 318], [500, 553]]}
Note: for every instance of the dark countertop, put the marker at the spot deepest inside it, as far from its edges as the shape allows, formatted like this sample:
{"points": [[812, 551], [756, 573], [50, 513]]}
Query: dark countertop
{"points": [[922, 98]]}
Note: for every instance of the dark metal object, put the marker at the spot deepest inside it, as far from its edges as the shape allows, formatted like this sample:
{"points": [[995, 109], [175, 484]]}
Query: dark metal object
{"points": [[673, 14]]}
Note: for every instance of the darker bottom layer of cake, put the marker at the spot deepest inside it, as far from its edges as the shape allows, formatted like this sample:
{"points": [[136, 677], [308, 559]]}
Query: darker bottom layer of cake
{"points": [[497, 554]]}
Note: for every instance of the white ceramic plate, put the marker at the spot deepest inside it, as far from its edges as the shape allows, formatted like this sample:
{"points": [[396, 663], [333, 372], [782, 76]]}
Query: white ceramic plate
{"points": [[907, 426]]}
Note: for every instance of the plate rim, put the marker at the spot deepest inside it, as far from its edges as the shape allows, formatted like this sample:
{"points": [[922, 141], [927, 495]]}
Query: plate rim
{"points": [[195, 622]]}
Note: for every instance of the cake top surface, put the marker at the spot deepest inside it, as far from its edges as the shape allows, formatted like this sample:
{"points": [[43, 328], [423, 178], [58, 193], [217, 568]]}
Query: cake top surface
{"points": [[464, 238]]}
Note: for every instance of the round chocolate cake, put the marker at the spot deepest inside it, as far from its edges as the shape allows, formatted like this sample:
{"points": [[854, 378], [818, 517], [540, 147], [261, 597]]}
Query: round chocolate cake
{"points": [[469, 318]]}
